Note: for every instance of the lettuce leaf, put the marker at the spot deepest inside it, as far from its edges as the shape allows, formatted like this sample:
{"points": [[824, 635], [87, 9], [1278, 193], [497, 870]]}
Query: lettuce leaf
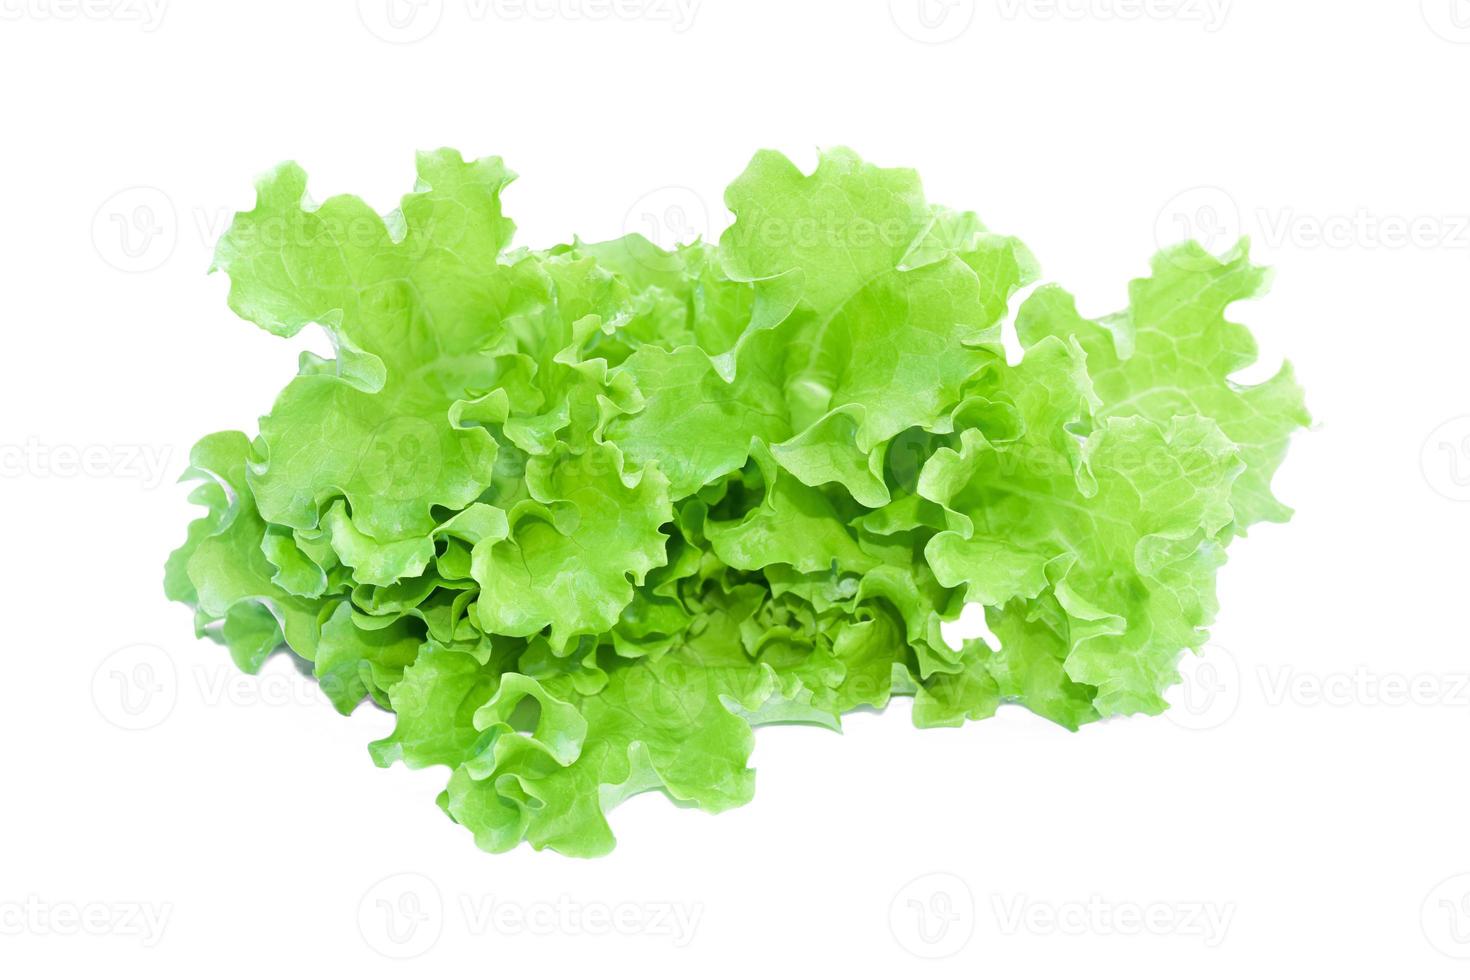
{"points": [[582, 517]]}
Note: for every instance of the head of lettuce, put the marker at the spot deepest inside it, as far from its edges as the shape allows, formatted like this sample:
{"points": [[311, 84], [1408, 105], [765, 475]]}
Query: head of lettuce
{"points": [[581, 517]]}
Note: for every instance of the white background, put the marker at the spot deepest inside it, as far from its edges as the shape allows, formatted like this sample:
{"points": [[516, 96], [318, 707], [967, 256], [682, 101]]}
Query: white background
{"points": [[1304, 810]]}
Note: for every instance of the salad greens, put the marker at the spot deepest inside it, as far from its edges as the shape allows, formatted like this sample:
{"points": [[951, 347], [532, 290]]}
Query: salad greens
{"points": [[581, 517]]}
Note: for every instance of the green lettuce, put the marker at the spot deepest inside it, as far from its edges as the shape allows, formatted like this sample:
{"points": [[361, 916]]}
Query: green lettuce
{"points": [[581, 517]]}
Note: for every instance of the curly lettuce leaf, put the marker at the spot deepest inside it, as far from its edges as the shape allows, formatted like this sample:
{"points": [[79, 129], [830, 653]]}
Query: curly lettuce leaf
{"points": [[583, 517]]}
